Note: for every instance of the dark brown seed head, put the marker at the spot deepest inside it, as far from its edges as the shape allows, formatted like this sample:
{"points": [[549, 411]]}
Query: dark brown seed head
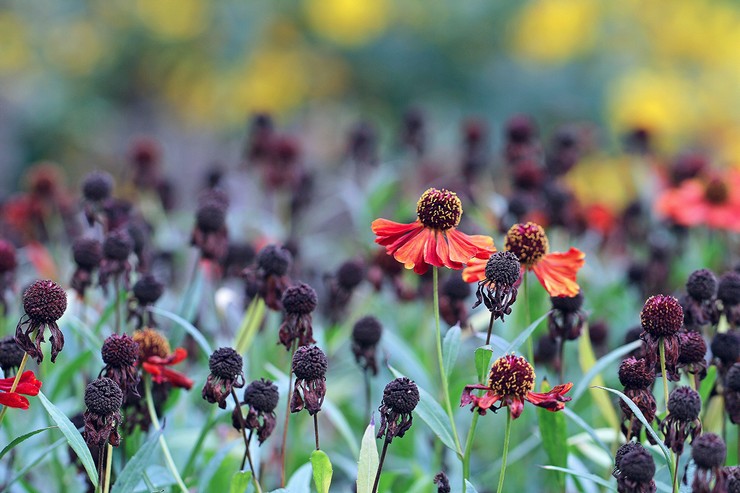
{"points": [[299, 299], [45, 301], [726, 346], [97, 186], [702, 285], [262, 395], [309, 363], [728, 290], [120, 351], [638, 465], [11, 354], [103, 396], [87, 253], [367, 331], [118, 245], [210, 216], [439, 209], [503, 268], [8, 260], [401, 395], [350, 274], [528, 242], [684, 403], [708, 451], [148, 290], [225, 363], [634, 374], [733, 378], [624, 450], [691, 347], [661, 316], [274, 260], [567, 304]]}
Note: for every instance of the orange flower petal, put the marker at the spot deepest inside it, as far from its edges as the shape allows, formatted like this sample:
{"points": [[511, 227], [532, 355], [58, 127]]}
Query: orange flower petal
{"points": [[475, 271], [461, 248], [557, 272], [389, 232], [411, 254]]}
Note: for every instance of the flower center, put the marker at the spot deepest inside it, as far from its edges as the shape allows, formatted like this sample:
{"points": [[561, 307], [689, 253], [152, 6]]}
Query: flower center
{"points": [[151, 343], [439, 209], [716, 192], [528, 242], [511, 376]]}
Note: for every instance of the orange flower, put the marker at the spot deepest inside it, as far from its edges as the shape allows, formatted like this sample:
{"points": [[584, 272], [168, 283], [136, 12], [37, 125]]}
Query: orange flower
{"points": [[715, 204], [432, 239], [556, 271], [510, 383], [27, 384], [155, 358]]}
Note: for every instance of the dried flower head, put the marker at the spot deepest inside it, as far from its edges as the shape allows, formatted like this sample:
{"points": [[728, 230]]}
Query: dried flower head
{"points": [[262, 398], [103, 399], [299, 301], [702, 285], [11, 354], [44, 303], [709, 452], [684, 406], [661, 316], [226, 373], [309, 367], [498, 290], [120, 353], [366, 334], [528, 242], [635, 470], [270, 277], [97, 186], [400, 398], [726, 347], [8, 260]]}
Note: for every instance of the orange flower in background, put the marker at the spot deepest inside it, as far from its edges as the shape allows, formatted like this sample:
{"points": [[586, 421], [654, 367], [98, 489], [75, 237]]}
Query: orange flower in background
{"points": [[556, 271], [715, 203], [155, 358], [433, 238], [27, 384]]}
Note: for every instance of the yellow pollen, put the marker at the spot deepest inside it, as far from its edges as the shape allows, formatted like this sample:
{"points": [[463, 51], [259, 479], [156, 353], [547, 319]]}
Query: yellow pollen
{"points": [[511, 376], [439, 209]]}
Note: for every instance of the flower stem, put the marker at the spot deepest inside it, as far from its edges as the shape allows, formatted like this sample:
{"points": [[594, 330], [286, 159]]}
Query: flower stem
{"points": [[316, 429], [368, 397], [380, 464], [162, 442], [247, 454], [661, 350], [117, 294], [17, 379], [108, 467], [284, 458], [507, 434], [676, 458], [528, 318], [468, 449], [490, 328], [440, 359]]}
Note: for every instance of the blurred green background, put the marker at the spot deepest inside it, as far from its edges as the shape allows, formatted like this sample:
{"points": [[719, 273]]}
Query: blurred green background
{"points": [[79, 78]]}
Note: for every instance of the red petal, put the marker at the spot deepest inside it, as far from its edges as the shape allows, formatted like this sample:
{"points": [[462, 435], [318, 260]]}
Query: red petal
{"points": [[12, 399], [411, 254], [389, 232], [176, 378], [475, 271], [554, 400], [516, 406], [557, 272]]}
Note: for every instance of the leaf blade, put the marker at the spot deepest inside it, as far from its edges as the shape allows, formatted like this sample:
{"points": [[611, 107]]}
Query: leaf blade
{"points": [[367, 463], [136, 466], [22, 439], [239, 481], [451, 347], [322, 471]]}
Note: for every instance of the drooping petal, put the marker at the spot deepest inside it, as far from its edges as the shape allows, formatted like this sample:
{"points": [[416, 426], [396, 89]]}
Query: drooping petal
{"points": [[13, 399], [516, 406], [411, 254], [467, 394], [28, 384], [554, 400], [462, 249], [433, 242], [485, 246], [557, 272], [390, 232], [176, 378]]}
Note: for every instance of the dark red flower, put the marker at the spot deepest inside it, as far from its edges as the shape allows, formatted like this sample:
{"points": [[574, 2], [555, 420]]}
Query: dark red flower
{"points": [[155, 358]]}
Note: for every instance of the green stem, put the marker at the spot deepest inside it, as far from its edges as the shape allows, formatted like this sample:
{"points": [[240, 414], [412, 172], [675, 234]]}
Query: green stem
{"points": [[17, 379], [440, 359], [162, 442], [528, 318], [108, 467], [507, 434], [675, 471], [468, 449], [247, 454], [661, 349]]}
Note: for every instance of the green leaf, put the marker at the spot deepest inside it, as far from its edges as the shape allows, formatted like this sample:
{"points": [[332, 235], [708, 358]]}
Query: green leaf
{"points": [[135, 467], [451, 348], [335, 416], [433, 415], [76, 325], [636, 411], [110, 309], [73, 437], [44, 454], [524, 335], [591, 477], [587, 360], [713, 415], [587, 428], [207, 474], [708, 383], [322, 471], [239, 481], [469, 487], [22, 439], [300, 481], [367, 465], [483, 362], [553, 430], [250, 324], [189, 328], [599, 366]]}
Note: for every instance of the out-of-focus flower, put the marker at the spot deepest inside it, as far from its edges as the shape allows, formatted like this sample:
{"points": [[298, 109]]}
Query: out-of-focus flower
{"points": [[117, 247], [700, 303], [44, 303], [682, 422], [634, 469], [96, 188], [299, 301], [510, 383], [637, 378], [348, 22], [147, 290], [566, 319], [400, 398], [714, 204], [341, 286], [366, 334], [309, 367], [692, 350], [442, 483], [8, 263], [709, 452], [432, 240], [11, 355], [728, 292], [453, 294], [27, 384], [732, 393], [262, 398], [269, 279], [87, 254], [155, 358], [103, 399], [209, 233], [226, 373], [120, 354]]}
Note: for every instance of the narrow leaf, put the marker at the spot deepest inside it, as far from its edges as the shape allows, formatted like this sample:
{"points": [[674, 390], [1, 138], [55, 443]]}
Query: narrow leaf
{"points": [[189, 328], [591, 477], [587, 360], [337, 418], [451, 348], [587, 428], [482, 362], [636, 411], [73, 437], [135, 467], [469, 487], [714, 417], [322, 471], [599, 366], [705, 389], [249, 325], [524, 335], [553, 430], [239, 481], [22, 438], [209, 471], [367, 465], [433, 415]]}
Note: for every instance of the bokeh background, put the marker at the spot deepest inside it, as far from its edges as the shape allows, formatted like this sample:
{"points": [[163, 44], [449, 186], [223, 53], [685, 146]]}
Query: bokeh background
{"points": [[79, 79]]}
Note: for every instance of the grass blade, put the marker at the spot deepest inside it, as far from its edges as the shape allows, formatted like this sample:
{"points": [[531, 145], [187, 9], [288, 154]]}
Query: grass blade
{"points": [[591, 477], [135, 467], [189, 328], [524, 335], [367, 465], [587, 360], [22, 439], [482, 362], [451, 348], [553, 430], [251, 322], [239, 481]]}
